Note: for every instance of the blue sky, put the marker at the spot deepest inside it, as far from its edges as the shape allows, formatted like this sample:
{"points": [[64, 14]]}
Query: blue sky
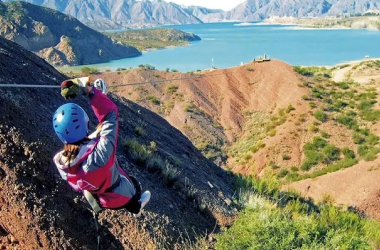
{"points": [[212, 4]]}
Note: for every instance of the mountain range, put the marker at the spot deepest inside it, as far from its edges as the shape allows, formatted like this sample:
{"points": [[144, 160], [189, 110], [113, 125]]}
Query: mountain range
{"points": [[117, 14]]}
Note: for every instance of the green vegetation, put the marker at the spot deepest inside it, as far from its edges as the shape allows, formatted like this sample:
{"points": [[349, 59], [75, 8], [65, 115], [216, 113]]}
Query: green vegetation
{"points": [[282, 220], [319, 151], [147, 67], [315, 72], [171, 89], [154, 100], [320, 116], [153, 38], [257, 127], [147, 156], [89, 71]]}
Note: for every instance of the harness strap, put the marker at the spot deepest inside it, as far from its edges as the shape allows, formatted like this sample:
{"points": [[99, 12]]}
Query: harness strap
{"points": [[114, 185], [92, 201]]}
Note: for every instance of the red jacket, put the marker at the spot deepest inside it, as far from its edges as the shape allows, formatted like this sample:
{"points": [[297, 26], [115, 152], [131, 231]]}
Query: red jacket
{"points": [[95, 168]]}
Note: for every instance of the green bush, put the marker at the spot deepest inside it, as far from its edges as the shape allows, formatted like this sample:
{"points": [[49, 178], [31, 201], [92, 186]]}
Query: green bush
{"points": [[154, 100], [171, 89], [138, 152], [347, 121], [169, 174], [290, 108], [286, 157], [331, 153], [282, 173], [348, 153], [320, 116]]}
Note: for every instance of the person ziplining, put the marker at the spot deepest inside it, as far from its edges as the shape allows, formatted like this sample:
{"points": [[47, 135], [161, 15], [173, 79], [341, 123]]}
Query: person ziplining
{"points": [[88, 162]]}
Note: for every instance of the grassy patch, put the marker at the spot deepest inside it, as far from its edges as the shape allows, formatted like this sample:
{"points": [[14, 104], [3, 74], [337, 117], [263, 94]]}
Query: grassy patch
{"points": [[277, 220]]}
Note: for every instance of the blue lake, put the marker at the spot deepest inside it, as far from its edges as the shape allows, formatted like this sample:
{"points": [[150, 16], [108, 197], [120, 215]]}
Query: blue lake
{"points": [[229, 45]]}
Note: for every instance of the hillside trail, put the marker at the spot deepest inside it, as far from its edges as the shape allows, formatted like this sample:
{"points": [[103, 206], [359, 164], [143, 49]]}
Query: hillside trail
{"points": [[341, 74]]}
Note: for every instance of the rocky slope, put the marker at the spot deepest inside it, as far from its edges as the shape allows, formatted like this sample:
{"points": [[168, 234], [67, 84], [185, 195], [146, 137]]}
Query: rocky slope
{"points": [[39, 211], [58, 38]]}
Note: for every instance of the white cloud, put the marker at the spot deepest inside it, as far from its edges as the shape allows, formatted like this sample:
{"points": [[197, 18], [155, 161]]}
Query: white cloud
{"points": [[212, 4]]}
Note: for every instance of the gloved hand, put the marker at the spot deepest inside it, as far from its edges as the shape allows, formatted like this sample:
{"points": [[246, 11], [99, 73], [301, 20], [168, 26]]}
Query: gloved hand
{"points": [[100, 85], [71, 88]]}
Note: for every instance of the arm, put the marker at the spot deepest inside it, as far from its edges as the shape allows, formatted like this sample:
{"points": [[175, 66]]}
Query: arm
{"points": [[107, 114]]}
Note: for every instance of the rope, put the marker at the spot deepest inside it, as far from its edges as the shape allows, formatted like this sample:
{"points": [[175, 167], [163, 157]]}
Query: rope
{"points": [[113, 86]]}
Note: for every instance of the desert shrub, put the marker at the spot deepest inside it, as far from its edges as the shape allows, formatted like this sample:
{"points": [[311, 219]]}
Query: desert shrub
{"points": [[282, 173], [286, 157], [139, 130], [294, 169], [155, 164], [290, 108], [370, 115], [325, 135], [171, 89], [314, 128], [312, 105], [343, 85], [348, 153], [138, 152], [331, 153], [319, 151], [154, 100], [169, 174], [320, 116], [347, 121]]}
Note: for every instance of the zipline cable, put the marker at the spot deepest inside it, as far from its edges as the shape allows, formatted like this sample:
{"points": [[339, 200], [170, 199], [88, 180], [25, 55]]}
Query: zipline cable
{"points": [[112, 86]]}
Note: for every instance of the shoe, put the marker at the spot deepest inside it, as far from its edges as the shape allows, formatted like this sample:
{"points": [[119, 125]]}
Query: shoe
{"points": [[144, 199]]}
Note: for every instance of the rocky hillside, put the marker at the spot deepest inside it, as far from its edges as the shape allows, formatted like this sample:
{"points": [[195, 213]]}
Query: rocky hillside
{"points": [[56, 37], [269, 118], [212, 108], [190, 195]]}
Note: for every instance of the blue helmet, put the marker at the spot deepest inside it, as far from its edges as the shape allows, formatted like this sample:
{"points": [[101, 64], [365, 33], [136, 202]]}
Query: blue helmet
{"points": [[70, 123]]}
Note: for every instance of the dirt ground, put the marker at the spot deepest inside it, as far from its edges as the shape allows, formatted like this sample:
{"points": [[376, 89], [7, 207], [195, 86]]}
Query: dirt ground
{"points": [[357, 186]]}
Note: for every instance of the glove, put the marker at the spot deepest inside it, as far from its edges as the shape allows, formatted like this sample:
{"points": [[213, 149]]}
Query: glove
{"points": [[100, 85], [71, 88]]}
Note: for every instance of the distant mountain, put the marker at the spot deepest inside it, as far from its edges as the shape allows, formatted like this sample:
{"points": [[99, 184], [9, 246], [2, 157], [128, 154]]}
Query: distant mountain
{"points": [[56, 37], [120, 14], [256, 10]]}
